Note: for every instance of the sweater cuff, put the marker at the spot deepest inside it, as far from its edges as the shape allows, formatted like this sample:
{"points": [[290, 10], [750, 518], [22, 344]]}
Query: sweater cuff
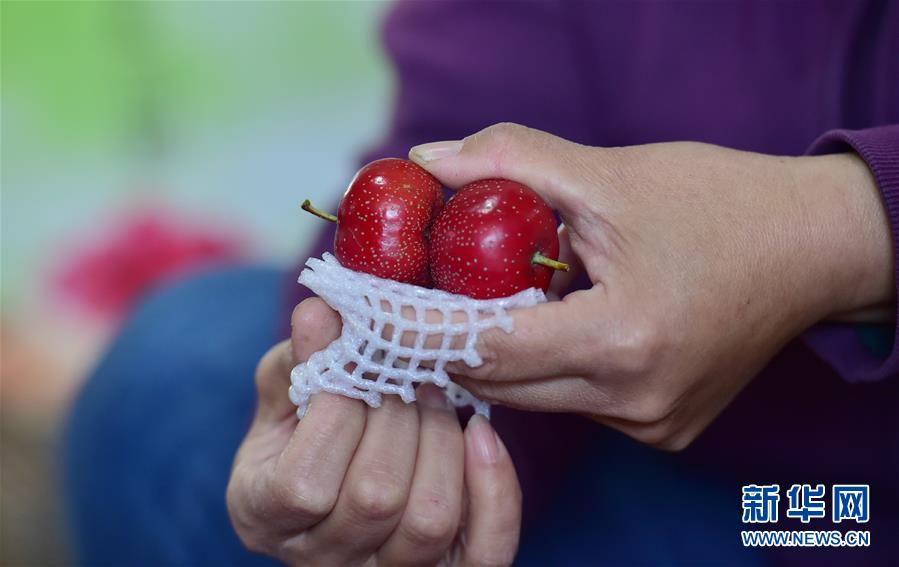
{"points": [[868, 352]]}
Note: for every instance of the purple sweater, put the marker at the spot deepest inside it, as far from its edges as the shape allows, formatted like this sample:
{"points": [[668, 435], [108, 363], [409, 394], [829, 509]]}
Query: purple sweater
{"points": [[774, 77], [771, 77]]}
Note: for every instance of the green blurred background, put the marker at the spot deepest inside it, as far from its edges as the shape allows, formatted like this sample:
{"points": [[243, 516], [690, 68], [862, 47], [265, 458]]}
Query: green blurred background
{"points": [[218, 114]]}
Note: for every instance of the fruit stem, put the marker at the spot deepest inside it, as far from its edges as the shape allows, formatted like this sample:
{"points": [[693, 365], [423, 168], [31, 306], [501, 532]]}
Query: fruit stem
{"points": [[549, 262], [307, 206]]}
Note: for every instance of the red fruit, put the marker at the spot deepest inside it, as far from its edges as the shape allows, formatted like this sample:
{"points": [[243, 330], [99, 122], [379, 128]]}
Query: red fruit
{"points": [[384, 219], [494, 238]]}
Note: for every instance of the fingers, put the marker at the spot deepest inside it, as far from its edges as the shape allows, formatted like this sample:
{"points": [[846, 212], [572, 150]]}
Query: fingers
{"points": [[305, 480], [374, 492], [272, 382], [307, 475], [431, 518], [509, 151], [287, 475], [562, 394], [549, 340], [494, 498], [271, 499], [314, 325]]}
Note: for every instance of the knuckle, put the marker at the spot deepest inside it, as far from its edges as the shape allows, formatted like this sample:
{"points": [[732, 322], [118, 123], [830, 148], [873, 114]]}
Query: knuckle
{"points": [[432, 527], [243, 525], [653, 407], [676, 443], [504, 132], [246, 525], [652, 436], [254, 542], [488, 369], [500, 142], [664, 436], [489, 345], [300, 497], [636, 349], [376, 499], [297, 550]]}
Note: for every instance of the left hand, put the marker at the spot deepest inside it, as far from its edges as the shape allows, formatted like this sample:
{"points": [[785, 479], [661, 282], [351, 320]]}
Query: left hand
{"points": [[704, 262], [401, 484]]}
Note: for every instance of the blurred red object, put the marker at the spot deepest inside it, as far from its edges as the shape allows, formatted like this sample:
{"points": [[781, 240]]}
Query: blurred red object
{"points": [[119, 264]]}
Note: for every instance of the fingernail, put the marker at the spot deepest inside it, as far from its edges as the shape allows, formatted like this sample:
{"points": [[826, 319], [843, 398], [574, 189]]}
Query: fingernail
{"points": [[484, 439], [426, 153], [432, 397]]}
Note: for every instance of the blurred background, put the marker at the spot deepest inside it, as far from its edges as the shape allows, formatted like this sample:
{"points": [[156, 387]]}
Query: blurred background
{"points": [[143, 141]]}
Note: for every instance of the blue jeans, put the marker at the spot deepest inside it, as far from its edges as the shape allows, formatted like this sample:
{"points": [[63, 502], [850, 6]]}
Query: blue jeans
{"points": [[149, 445]]}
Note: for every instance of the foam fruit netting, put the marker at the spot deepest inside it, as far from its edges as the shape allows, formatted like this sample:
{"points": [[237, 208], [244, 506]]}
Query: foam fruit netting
{"points": [[367, 360]]}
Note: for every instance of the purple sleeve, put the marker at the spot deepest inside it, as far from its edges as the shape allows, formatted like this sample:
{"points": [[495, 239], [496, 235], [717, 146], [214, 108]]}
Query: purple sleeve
{"points": [[842, 345]]}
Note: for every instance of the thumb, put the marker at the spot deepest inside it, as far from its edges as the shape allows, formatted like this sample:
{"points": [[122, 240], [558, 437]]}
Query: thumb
{"points": [[507, 151]]}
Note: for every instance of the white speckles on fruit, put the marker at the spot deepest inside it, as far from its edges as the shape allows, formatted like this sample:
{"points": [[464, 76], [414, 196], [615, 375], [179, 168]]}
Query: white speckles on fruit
{"points": [[383, 220], [482, 225]]}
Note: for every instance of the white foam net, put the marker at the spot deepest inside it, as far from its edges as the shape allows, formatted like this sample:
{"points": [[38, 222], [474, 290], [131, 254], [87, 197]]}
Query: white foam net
{"points": [[395, 335]]}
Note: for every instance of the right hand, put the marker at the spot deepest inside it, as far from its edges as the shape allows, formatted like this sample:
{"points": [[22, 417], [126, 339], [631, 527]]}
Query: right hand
{"points": [[704, 262], [400, 484]]}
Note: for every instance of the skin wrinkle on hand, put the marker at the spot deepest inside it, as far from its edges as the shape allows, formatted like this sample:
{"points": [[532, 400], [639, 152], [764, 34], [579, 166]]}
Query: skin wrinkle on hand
{"points": [[692, 248], [684, 310], [297, 518]]}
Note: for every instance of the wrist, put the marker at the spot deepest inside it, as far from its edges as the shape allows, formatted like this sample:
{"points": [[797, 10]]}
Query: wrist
{"points": [[848, 238]]}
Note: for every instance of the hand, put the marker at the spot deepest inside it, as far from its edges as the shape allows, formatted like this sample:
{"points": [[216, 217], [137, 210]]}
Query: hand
{"points": [[347, 485], [704, 262]]}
